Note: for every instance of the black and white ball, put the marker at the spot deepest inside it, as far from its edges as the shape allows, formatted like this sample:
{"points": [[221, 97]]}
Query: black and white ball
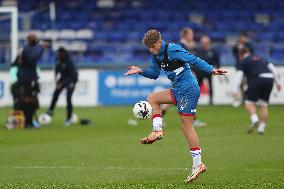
{"points": [[11, 122], [142, 110], [74, 118], [44, 119]]}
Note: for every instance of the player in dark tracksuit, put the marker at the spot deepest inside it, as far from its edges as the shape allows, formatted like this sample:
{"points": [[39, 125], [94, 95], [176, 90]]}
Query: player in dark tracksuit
{"points": [[66, 75], [242, 42], [210, 55], [260, 77], [27, 78]]}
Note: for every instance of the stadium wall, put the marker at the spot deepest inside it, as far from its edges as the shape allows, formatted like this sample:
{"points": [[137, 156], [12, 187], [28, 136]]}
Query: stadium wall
{"points": [[105, 87]]}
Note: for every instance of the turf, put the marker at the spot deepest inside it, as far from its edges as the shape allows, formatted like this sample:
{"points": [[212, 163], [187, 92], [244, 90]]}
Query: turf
{"points": [[107, 154]]}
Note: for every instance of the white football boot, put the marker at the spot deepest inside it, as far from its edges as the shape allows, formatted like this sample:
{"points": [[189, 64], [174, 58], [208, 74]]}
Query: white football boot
{"points": [[195, 172], [153, 137]]}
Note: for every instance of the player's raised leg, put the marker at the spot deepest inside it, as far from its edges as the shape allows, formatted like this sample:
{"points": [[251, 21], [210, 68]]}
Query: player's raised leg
{"points": [[156, 99], [193, 142]]}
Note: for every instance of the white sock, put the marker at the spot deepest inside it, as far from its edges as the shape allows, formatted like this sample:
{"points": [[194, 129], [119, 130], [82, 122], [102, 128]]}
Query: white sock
{"points": [[196, 157], [261, 127], [157, 122], [254, 118]]}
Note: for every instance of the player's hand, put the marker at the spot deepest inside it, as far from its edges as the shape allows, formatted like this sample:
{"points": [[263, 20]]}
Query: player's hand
{"points": [[218, 72], [133, 70], [278, 87], [236, 95], [58, 86]]}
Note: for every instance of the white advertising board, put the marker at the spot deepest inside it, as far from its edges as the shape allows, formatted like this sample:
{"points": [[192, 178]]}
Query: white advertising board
{"points": [[85, 93], [223, 86]]}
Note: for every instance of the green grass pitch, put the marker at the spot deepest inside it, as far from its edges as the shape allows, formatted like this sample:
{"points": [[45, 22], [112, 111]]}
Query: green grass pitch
{"points": [[107, 154]]}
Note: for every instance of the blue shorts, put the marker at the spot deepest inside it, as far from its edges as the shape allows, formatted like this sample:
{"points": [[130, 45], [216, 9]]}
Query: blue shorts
{"points": [[186, 100]]}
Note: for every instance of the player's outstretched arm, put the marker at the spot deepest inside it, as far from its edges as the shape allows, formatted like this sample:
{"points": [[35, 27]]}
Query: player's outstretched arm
{"points": [[218, 72], [133, 70], [152, 73], [272, 68]]}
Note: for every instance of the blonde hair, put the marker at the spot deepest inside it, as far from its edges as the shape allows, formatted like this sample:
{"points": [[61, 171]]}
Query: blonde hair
{"points": [[151, 37]]}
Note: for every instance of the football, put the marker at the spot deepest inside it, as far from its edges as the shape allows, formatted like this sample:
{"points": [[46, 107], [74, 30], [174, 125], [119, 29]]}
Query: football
{"points": [[11, 122], [74, 118], [44, 119], [142, 110]]}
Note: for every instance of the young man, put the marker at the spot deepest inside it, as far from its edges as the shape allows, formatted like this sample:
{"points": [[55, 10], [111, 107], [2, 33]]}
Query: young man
{"points": [[19, 90], [175, 60], [260, 77], [66, 77], [210, 55], [27, 78], [187, 40], [242, 42]]}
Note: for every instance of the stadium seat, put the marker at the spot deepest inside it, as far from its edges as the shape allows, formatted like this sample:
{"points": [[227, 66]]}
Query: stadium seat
{"points": [[125, 23]]}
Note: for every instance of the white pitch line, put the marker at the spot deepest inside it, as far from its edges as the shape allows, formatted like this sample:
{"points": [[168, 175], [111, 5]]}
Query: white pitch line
{"points": [[95, 168], [127, 168]]}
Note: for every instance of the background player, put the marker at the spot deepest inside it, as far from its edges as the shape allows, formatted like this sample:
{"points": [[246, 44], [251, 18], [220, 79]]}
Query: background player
{"points": [[188, 43], [210, 55], [243, 41], [26, 87], [66, 77], [184, 93], [260, 75]]}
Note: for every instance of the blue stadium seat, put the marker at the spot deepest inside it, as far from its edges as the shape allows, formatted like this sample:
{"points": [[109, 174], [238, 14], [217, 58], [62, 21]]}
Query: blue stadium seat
{"points": [[124, 25], [277, 53]]}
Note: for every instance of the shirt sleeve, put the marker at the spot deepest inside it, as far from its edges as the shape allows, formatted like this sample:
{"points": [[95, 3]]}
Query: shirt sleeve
{"points": [[13, 73], [179, 53], [272, 68], [153, 72]]}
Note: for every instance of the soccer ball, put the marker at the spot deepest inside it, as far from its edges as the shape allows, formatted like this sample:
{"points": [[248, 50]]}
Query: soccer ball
{"points": [[142, 110], [74, 118], [11, 122], [44, 119]]}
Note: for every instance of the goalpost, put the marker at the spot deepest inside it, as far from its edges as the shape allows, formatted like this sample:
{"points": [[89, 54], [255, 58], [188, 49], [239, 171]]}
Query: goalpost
{"points": [[10, 40]]}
